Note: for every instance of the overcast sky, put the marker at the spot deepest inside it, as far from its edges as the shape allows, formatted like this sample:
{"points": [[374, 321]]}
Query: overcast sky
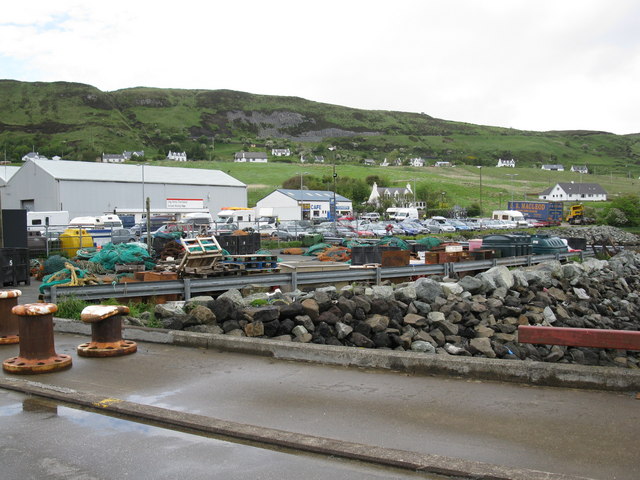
{"points": [[525, 64]]}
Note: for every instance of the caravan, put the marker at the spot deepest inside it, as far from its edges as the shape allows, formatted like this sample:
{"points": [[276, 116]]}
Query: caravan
{"points": [[99, 227], [510, 216]]}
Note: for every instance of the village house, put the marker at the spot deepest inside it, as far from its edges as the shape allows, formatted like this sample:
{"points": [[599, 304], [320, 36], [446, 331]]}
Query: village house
{"points": [[33, 156], [506, 163], [281, 152], [251, 157], [443, 164], [177, 156], [580, 169], [112, 158], [399, 196], [369, 161], [416, 162], [555, 168], [577, 192]]}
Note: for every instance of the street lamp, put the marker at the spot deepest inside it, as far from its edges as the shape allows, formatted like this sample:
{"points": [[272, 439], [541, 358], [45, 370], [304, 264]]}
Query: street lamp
{"points": [[512, 175], [479, 167], [302, 195]]}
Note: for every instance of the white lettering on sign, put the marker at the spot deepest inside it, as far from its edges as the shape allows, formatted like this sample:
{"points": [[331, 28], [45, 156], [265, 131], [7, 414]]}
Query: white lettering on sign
{"points": [[178, 203]]}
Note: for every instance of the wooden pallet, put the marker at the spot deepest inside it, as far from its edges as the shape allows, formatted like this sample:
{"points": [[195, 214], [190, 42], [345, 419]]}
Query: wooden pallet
{"points": [[201, 254]]}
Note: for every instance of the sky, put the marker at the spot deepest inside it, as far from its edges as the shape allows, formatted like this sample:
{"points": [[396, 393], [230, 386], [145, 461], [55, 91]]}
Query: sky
{"points": [[524, 64]]}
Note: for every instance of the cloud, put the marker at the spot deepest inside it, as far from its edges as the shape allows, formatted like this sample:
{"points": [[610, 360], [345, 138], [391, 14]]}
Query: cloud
{"points": [[532, 65]]}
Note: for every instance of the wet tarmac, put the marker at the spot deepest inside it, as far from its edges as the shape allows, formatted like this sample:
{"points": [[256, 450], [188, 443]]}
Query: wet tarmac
{"points": [[576, 432], [44, 440]]}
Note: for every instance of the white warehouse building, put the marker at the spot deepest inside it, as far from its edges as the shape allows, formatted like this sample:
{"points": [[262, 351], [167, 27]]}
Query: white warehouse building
{"points": [[87, 189], [305, 204]]}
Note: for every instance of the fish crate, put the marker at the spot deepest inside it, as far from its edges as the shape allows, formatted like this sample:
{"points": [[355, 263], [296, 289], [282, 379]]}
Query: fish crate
{"points": [[201, 254]]}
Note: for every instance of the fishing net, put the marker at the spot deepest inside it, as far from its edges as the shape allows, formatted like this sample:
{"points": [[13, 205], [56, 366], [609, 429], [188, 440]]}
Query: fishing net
{"points": [[123, 254]]}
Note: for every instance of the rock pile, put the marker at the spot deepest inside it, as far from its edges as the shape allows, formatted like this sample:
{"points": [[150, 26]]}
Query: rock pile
{"points": [[473, 316], [597, 233]]}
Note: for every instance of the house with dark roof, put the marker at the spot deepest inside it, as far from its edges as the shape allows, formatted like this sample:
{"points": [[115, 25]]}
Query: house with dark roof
{"points": [[251, 157], [399, 196], [574, 192], [112, 158], [555, 168], [579, 168]]}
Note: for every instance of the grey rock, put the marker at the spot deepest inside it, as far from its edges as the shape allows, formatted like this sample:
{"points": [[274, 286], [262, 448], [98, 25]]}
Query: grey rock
{"points": [[343, 330], [422, 347], [378, 323], [427, 290], [481, 345], [383, 291]]}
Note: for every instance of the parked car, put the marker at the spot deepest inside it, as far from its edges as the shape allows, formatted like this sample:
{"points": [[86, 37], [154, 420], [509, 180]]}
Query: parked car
{"points": [[410, 229], [122, 235], [379, 229], [439, 225], [459, 225]]}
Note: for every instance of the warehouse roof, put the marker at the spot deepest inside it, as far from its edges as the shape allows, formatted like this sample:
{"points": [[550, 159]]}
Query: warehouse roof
{"points": [[311, 195], [107, 172], [6, 172]]}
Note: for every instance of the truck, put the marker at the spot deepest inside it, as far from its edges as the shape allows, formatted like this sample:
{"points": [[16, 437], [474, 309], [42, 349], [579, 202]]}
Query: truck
{"points": [[546, 211], [576, 215]]}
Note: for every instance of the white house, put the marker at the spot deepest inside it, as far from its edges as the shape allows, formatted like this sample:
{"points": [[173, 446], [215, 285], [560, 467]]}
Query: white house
{"points": [[33, 156], [442, 164], [177, 156], [369, 161], [555, 168], [399, 196], [580, 169], [112, 158], [416, 162], [580, 192], [385, 163], [305, 204], [251, 157], [506, 163], [281, 152], [130, 154]]}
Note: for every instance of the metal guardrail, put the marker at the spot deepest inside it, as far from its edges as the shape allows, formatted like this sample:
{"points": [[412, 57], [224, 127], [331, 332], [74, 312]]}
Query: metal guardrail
{"points": [[187, 287]]}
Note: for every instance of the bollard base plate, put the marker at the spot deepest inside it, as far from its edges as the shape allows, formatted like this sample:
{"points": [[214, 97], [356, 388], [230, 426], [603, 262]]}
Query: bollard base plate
{"points": [[9, 339], [107, 349], [28, 366]]}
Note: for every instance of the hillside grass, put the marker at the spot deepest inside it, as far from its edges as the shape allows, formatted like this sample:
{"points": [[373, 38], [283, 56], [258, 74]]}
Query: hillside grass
{"points": [[460, 184]]}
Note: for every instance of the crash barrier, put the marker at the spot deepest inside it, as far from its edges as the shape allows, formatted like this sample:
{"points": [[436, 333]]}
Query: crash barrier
{"points": [[187, 287], [106, 332], [580, 337], [8, 321], [37, 351]]}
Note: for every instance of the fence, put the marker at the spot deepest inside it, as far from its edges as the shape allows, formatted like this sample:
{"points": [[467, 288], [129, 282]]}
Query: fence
{"points": [[188, 287]]}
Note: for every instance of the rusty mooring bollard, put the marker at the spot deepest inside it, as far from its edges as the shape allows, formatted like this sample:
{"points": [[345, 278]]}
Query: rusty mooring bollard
{"points": [[37, 352], [8, 321], [106, 332]]}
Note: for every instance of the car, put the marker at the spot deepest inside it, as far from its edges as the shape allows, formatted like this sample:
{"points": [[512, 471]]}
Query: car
{"points": [[122, 235], [459, 225], [410, 229], [379, 229], [372, 216], [439, 225], [223, 229]]}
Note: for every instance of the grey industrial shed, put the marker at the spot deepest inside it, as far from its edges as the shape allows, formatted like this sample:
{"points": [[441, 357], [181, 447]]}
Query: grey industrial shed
{"points": [[84, 188]]}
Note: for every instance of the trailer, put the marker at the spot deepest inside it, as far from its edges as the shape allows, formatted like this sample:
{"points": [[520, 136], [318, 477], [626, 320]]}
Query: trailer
{"points": [[546, 211]]}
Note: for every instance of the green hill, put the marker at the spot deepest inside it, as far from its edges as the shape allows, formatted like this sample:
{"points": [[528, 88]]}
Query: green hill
{"points": [[80, 122]]}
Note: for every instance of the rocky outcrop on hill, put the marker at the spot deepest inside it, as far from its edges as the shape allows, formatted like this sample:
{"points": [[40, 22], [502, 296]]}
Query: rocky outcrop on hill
{"points": [[472, 316]]}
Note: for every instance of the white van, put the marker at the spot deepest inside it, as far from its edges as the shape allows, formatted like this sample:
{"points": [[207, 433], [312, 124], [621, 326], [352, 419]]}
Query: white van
{"points": [[403, 214], [510, 215]]}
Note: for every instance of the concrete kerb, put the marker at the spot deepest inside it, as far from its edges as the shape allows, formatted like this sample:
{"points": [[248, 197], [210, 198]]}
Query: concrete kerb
{"points": [[406, 460], [513, 371]]}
